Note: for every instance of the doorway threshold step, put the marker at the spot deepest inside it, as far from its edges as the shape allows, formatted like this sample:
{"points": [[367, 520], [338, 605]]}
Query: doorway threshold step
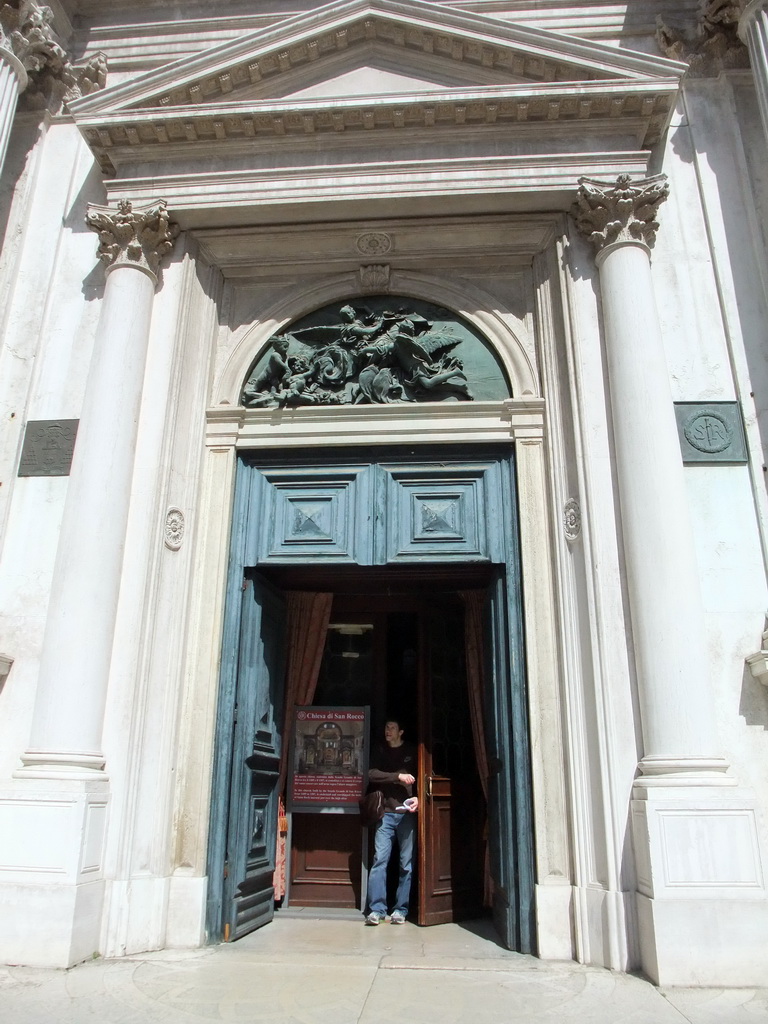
{"points": [[321, 913]]}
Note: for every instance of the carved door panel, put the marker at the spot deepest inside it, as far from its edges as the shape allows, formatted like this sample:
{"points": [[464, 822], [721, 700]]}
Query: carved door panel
{"points": [[252, 829], [452, 809]]}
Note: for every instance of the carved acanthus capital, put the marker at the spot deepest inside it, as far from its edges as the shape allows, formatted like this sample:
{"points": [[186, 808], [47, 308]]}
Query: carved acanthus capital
{"points": [[136, 238], [620, 211], [713, 44], [28, 31]]}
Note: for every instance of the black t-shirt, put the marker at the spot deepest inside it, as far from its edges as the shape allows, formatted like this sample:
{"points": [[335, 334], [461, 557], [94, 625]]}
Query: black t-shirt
{"points": [[386, 764]]}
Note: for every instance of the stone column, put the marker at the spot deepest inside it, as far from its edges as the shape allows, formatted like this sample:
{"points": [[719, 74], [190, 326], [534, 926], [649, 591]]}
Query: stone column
{"points": [[74, 670], [753, 29], [13, 81], [701, 901], [662, 574]]}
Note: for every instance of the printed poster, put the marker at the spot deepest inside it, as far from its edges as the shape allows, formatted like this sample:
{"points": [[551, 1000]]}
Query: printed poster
{"points": [[328, 759]]}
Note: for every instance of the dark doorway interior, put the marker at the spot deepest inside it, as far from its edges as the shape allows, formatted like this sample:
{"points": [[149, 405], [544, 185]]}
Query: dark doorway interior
{"points": [[396, 643]]}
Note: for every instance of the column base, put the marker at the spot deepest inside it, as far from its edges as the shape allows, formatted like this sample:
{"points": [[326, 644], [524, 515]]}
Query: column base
{"points": [[51, 872], [76, 766], [702, 905]]}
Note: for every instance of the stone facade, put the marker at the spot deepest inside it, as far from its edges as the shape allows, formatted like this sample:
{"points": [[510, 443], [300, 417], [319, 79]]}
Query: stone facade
{"points": [[583, 186]]}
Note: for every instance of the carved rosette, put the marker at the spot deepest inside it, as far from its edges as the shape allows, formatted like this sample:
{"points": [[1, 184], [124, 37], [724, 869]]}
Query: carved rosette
{"points": [[374, 243], [27, 30], [134, 238], [572, 520], [173, 530], [624, 211]]}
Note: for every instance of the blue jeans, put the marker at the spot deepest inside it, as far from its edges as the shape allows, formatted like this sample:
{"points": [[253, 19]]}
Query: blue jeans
{"points": [[404, 827]]}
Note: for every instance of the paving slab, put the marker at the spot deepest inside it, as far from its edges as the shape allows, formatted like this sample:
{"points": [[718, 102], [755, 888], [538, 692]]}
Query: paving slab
{"points": [[308, 971]]}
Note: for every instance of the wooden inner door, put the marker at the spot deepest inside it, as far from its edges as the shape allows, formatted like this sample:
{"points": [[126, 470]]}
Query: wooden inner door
{"points": [[452, 812]]}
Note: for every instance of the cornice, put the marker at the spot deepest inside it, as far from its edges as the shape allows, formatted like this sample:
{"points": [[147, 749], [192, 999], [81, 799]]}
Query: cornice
{"points": [[637, 109]]}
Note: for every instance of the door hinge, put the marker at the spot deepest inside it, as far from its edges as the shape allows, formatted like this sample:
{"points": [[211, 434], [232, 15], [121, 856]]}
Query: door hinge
{"points": [[226, 869]]}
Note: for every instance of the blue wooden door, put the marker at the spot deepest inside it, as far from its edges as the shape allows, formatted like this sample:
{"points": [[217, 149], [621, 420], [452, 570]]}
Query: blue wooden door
{"points": [[368, 508], [510, 817], [256, 745]]}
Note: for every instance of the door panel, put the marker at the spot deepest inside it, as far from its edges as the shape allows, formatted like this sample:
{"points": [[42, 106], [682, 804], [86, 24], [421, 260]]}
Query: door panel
{"points": [[452, 811], [252, 831], [314, 514], [509, 786], [326, 860], [437, 511]]}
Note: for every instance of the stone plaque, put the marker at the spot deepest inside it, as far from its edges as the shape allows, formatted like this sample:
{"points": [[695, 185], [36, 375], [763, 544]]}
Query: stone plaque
{"points": [[48, 447], [711, 432]]}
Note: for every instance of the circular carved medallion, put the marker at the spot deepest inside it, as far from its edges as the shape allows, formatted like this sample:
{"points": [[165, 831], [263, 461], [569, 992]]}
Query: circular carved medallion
{"points": [[174, 528], [708, 431], [572, 519], [374, 243]]}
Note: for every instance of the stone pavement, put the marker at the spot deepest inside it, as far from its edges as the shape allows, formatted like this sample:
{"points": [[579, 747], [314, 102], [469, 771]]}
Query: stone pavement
{"points": [[301, 970]]}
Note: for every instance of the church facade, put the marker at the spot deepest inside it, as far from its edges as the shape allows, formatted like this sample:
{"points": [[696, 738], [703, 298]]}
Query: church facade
{"points": [[396, 355]]}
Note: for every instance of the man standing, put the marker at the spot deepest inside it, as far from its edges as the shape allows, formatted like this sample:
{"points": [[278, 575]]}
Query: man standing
{"points": [[391, 771]]}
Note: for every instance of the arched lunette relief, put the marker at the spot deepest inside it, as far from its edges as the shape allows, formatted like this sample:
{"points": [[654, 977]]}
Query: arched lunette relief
{"points": [[501, 330]]}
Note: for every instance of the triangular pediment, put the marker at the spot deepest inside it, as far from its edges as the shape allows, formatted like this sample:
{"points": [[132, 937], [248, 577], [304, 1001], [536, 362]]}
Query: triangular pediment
{"points": [[380, 64], [425, 35]]}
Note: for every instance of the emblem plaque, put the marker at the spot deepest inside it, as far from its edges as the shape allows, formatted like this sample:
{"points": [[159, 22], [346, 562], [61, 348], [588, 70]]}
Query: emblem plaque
{"points": [[711, 432], [48, 447]]}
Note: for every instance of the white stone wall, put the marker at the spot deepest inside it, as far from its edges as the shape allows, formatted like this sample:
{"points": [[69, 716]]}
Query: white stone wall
{"points": [[709, 273]]}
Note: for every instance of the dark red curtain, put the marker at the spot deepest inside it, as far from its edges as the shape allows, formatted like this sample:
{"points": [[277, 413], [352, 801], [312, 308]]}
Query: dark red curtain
{"points": [[308, 615]]}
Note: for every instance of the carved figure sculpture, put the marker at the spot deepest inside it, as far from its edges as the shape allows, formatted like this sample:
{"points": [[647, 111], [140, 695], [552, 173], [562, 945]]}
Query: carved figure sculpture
{"points": [[363, 357]]}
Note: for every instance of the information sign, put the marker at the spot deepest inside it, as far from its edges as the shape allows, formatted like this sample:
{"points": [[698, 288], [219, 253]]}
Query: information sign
{"points": [[329, 759]]}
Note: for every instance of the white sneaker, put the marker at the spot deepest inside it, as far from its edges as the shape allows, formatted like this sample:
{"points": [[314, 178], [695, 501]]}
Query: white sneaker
{"points": [[374, 918], [397, 918]]}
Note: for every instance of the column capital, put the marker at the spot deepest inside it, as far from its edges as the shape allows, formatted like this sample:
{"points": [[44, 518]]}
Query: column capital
{"points": [[27, 31], [713, 44], [621, 211], [133, 238]]}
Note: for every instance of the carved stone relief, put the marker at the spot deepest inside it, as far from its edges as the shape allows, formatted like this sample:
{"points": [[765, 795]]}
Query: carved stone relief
{"points": [[374, 243], [174, 528], [374, 278], [381, 351], [131, 237], [27, 29], [620, 211], [713, 44], [572, 519]]}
